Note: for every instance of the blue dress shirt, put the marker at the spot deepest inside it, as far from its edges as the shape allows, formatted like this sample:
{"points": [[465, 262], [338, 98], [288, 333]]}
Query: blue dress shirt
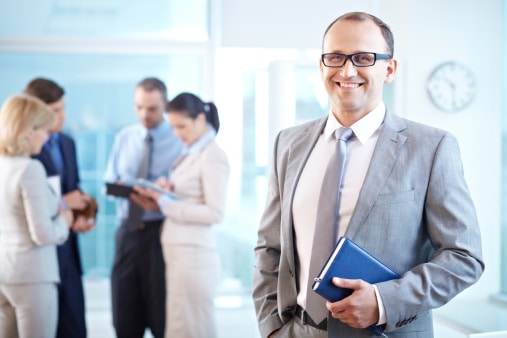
{"points": [[53, 146], [126, 154]]}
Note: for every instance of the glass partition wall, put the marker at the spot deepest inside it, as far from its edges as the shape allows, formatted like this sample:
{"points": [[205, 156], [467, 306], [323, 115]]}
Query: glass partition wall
{"points": [[98, 51]]}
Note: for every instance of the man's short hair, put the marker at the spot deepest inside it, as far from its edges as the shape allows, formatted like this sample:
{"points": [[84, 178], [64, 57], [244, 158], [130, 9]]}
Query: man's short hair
{"points": [[45, 89], [152, 83], [362, 16]]}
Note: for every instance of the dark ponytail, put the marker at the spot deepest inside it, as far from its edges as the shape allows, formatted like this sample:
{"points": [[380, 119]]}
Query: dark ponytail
{"points": [[212, 115], [193, 106]]}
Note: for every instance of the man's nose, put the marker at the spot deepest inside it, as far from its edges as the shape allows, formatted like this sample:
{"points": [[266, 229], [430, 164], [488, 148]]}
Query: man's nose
{"points": [[348, 69]]}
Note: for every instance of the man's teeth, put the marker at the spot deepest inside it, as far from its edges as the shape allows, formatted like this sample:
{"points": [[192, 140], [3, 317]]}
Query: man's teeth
{"points": [[349, 85]]}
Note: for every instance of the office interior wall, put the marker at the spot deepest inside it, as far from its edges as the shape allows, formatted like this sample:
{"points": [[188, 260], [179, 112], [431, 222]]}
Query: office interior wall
{"points": [[427, 33]]}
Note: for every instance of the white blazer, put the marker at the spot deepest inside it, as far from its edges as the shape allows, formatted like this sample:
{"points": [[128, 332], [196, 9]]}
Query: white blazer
{"points": [[30, 226]]}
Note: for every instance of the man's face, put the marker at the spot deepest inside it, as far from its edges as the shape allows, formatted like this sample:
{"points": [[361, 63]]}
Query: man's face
{"points": [[355, 91], [150, 107], [59, 109]]}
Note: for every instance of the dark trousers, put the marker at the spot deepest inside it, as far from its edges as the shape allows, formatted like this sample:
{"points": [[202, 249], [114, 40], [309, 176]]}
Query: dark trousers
{"points": [[71, 305], [138, 281]]}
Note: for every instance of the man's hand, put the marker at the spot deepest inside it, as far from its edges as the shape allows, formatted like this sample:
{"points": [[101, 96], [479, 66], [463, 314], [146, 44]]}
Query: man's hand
{"points": [[81, 224], [145, 198], [76, 200], [360, 309], [67, 215]]}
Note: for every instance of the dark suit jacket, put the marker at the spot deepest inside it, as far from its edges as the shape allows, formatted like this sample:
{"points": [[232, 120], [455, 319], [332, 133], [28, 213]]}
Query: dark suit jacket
{"points": [[68, 252], [71, 316]]}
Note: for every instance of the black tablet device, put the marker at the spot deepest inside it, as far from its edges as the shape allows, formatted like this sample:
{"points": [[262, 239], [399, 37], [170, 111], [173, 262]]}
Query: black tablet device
{"points": [[119, 190]]}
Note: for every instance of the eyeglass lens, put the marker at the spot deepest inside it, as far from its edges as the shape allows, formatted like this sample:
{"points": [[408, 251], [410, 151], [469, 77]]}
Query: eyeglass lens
{"points": [[359, 59]]}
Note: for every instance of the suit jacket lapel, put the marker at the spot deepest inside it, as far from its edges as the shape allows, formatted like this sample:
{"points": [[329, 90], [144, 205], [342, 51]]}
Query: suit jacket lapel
{"points": [[298, 154], [47, 162], [65, 150], [389, 144]]}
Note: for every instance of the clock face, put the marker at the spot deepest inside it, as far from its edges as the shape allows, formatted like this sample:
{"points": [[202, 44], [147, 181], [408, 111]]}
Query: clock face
{"points": [[451, 86]]}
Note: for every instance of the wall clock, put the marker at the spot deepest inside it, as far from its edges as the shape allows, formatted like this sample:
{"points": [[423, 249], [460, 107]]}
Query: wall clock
{"points": [[451, 86]]}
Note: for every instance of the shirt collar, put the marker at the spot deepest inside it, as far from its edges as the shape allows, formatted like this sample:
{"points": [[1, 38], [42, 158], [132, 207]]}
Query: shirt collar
{"points": [[364, 128], [200, 143], [160, 130], [52, 139]]}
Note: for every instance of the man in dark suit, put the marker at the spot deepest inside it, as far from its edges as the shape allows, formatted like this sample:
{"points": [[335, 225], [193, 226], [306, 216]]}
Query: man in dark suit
{"points": [[58, 157], [401, 195]]}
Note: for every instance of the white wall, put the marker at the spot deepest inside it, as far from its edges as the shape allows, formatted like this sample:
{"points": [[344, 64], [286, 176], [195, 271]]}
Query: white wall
{"points": [[470, 33], [426, 33], [282, 23]]}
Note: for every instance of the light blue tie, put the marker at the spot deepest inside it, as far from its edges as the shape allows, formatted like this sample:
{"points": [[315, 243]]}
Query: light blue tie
{"points": [[326, 226], [56, 153]]}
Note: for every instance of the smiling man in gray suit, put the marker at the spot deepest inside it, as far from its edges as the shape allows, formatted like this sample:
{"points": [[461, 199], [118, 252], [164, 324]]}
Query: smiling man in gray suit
{"points": [[402, 197]]}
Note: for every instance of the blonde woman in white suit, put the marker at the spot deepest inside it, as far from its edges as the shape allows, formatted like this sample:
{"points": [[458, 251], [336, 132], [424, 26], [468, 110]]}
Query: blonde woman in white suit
{"points": [[32, 223], [199, 180]]}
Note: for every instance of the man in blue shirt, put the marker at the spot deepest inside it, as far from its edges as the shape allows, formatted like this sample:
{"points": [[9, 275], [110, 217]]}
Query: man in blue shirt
{"points": [[138, 277]]}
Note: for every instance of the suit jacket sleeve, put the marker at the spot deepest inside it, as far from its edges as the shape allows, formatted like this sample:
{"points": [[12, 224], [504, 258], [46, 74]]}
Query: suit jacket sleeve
{"points": [[212, 171], [41, 207], [267, 256], [449, 235]]}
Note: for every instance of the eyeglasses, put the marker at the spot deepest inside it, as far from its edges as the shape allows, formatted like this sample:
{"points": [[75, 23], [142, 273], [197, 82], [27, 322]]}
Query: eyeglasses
{"points": [[335, 60]]}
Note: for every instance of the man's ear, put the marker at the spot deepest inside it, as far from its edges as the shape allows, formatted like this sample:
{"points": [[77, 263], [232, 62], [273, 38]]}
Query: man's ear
{"points": [[391, 70], [321, 65]]}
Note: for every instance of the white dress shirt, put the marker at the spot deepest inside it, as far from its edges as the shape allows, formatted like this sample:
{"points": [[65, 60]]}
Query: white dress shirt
{"points": [[304, 209]]}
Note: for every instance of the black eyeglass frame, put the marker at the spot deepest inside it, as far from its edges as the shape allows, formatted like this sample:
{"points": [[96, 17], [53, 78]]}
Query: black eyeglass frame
{"points": [[377, 56]]}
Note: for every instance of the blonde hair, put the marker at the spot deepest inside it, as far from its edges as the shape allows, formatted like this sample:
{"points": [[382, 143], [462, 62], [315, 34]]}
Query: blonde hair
{"points": [[20, 115]]}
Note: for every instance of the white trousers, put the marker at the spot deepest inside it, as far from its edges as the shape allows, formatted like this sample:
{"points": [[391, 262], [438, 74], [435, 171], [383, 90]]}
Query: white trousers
{"points": [[192, 274], [28, 310]]}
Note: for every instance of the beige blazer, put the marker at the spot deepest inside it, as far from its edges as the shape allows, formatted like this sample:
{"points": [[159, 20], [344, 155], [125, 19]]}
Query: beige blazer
{"points": [[30, 226], [201, 181]]}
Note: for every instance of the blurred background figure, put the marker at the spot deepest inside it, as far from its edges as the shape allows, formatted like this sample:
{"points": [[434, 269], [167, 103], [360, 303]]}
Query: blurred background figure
{"points": [[58, 156], [198, 186], [32, 222], [143, 150]]}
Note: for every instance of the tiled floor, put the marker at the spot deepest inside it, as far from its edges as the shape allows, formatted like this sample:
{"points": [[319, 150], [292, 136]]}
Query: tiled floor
{"points": [[236, 317], [235, 314]]}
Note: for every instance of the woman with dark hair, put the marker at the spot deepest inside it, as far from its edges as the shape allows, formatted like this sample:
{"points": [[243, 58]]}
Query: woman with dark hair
{"points": [[197, 185]]}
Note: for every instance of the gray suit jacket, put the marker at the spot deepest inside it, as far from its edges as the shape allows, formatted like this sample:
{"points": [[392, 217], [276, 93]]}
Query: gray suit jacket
{"points": [[414, 213]]}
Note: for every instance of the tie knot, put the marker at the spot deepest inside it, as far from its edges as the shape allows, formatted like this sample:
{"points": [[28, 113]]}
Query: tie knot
{"points": [[148, 138], [52, 142], [343, 134]]}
